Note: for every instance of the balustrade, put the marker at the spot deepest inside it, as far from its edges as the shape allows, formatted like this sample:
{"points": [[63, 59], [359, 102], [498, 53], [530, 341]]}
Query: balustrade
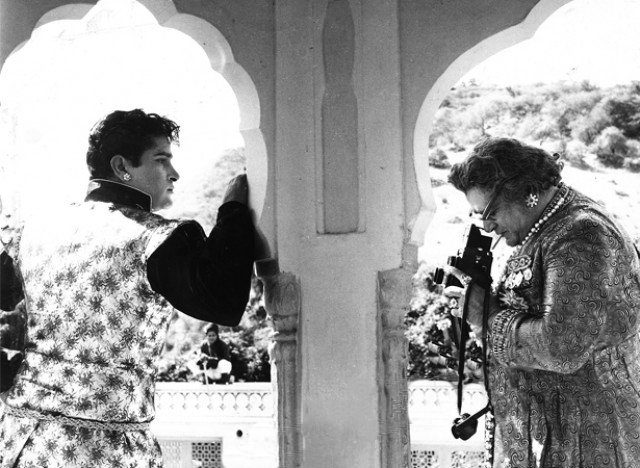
{"points": [[192, 415], [237, 400]]}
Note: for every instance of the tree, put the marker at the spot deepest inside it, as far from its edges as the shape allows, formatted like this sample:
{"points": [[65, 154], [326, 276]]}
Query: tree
{"points": [[624, 112], [611, 147], [438, 158], [483, 115]]}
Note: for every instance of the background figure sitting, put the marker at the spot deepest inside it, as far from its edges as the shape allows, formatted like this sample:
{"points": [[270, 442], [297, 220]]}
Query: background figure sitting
{"points": [[214, 358]]}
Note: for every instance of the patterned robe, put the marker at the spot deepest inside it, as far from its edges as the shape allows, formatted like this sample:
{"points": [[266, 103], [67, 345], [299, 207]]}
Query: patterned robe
{"points": [[95, 330], [565, 354]]}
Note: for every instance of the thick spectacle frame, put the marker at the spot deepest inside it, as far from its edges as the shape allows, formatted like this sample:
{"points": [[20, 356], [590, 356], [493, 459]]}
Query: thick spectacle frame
{"points": [[490, 210]]}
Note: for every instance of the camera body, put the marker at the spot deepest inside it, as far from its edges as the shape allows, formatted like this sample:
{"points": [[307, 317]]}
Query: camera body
{"points": [[474, 259], [467, 425], [464, 427]]}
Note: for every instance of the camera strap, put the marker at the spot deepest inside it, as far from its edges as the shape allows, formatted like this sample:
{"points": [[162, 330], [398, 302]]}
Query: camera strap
{"points": [[464, 336], [462, 345]]}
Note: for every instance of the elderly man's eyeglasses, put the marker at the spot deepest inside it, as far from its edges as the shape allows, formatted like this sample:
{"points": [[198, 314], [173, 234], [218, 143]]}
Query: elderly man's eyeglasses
{"points": [[490, 210]]}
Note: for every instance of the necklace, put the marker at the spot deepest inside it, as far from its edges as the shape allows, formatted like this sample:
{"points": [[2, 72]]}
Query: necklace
{"points": [[554, 205]]}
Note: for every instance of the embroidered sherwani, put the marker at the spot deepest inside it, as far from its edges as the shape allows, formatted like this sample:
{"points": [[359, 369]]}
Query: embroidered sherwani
{"points": [[96, 325], [565, 354]]}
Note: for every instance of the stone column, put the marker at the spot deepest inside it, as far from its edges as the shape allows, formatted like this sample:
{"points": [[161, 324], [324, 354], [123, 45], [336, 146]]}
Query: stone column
{"points": [[282, 301], [394, 296]]}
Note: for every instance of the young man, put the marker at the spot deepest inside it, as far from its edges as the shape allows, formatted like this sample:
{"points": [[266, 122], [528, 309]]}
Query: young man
{"points": [[215, 360], [100, 285]]}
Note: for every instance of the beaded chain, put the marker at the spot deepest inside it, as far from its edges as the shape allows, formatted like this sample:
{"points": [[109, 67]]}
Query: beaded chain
{"points": [[557, 201]]}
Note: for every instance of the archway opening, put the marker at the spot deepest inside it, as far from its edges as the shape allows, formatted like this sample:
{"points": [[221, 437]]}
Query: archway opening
{"points": [[70, 74], [548, 91]]}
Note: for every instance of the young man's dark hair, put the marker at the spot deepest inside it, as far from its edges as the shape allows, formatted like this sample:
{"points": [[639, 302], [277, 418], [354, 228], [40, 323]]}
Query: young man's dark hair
{"points": [[127, 133]]}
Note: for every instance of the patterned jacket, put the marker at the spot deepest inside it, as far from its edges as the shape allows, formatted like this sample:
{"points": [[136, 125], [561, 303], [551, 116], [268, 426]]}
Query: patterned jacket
{"points": [[96, 325], [565, 350]]}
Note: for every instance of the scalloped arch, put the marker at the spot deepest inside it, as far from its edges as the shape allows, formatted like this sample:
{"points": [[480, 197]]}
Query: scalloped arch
{"points": [[472, 57], [221, 59]]}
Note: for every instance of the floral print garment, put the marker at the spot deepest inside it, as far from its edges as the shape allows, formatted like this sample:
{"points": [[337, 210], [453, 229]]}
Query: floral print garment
{"points": [[565, 353], [95, 329]]}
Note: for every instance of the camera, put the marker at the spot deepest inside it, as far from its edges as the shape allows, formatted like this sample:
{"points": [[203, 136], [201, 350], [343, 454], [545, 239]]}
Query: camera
{"points": [[467, 425], [474, 259]]}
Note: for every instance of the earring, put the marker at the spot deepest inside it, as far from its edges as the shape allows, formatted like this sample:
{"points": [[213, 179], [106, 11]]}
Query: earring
{"points": [[126, 176], [532, 200]]}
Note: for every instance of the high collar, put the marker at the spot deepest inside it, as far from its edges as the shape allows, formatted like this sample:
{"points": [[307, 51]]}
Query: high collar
{"points": [[109, 191]]}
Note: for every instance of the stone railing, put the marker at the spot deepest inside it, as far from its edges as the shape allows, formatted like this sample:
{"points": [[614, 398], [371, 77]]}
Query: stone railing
{"points": [[233, 426], [215, 426], [429, 398], [194, 422], [432, 408], [254, 400]]}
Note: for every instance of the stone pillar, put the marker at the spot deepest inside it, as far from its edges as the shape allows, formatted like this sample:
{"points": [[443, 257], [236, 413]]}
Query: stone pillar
{"points": [[339, 211], [394, 296], [282, 301]]}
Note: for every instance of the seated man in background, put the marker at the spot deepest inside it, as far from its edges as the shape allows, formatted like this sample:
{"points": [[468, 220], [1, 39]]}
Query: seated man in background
{"points": [[214, 357]]}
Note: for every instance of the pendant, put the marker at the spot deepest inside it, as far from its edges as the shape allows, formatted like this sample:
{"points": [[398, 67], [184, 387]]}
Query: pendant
{"points": [[518, 271]]}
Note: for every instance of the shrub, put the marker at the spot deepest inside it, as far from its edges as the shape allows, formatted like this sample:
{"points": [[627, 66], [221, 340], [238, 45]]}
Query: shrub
{"points": [[575, 153], [624, 111], [439, 159], [430, 328], [633, 166], [611, 140], [248, 344], [611, 147], [585, 129], [610, 159], [633, 149]]}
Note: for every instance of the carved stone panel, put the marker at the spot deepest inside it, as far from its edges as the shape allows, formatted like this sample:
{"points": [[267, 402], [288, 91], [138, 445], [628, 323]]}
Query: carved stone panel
{"points": [[282, 301], [394, 294], [340, 191]]}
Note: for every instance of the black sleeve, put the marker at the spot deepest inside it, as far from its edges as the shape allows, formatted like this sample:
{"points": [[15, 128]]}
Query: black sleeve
{"points": [[10, 284], [207, 278], [223, 351]]}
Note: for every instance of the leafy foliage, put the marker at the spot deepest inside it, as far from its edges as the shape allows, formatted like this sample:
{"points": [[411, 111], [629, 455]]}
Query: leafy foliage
{"points": [[248, 344], [555, 116], [587, 125], [433, 353]]}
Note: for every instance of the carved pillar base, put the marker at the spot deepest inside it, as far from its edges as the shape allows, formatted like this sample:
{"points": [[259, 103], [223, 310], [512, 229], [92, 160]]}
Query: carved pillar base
{"points": [[282, 301], [394, 296]]}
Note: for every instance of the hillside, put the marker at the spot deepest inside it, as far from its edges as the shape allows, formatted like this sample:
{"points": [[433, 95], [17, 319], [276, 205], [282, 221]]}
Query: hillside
{"points": [[595, 131]]}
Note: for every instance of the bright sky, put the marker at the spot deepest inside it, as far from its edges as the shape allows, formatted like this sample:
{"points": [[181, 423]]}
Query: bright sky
{"points": [[70, 74], [66, 72], [595, 40]]}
